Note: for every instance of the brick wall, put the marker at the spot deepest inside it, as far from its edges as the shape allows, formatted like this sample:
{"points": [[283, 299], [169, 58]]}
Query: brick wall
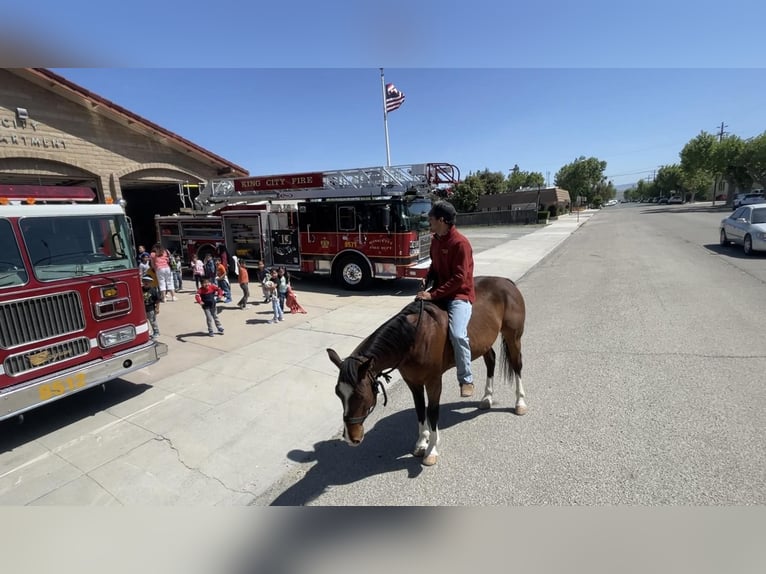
{"points": [[65, 139]]}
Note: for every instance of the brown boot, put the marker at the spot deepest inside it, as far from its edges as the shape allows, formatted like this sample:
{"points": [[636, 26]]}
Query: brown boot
{"points": [[466, 390]]}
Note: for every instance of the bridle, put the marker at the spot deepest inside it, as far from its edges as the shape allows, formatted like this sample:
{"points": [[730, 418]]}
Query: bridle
{"points": [[377, 384]]}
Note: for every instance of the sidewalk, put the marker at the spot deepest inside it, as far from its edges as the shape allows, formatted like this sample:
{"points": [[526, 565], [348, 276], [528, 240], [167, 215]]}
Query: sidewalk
{"points": [[213, 421]]}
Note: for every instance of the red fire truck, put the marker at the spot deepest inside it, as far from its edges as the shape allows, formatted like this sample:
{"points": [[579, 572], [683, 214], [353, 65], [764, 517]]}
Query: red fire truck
{"points": [[71, 306], [354, 224]]}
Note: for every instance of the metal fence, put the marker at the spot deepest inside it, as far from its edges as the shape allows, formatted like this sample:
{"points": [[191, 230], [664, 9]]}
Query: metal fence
{"points": [[506, 217]]}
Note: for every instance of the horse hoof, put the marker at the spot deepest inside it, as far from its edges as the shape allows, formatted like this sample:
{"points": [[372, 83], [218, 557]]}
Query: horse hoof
{"points": [[429, 460], [521, 409], [485, 403], [419, 452]]}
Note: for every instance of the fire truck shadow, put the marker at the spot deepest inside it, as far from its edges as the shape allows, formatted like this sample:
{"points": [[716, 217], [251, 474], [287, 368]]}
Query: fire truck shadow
{"points": [[378, 287], [47, 419]]}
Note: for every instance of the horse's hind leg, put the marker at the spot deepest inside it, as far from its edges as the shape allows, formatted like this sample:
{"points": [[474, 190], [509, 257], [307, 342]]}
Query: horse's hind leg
{"points": [[515, 358], [434, 391], [418, 395], [489, 361]]}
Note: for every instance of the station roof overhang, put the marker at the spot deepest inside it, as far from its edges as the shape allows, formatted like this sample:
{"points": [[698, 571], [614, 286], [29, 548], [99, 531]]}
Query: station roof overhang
{"points": [[81, 96]]}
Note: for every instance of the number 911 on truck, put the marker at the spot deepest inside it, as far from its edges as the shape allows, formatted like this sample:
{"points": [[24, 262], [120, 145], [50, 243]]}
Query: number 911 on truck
{"points": [[353, 225]]}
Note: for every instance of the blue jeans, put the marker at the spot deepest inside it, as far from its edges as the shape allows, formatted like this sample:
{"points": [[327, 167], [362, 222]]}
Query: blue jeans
{"points": [[459, 315]]}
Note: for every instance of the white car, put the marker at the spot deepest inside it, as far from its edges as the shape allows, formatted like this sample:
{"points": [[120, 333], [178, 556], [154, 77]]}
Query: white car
{"points": [[747, 198], [746, 227], [752, 198]]}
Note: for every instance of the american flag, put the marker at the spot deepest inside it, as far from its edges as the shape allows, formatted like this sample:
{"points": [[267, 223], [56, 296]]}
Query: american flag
{"points": [[394, 98]]}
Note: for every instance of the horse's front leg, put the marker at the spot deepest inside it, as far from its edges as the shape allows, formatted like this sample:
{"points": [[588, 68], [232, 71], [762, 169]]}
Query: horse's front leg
{"points": [[432, 415], [418, 395]]}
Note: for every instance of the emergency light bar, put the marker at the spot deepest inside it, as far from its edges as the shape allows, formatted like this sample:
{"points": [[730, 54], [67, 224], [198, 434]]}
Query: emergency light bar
{"points": [[45, 193]]}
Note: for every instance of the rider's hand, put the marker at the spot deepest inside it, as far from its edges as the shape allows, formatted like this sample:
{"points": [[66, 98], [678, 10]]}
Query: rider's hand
{"points": [[425, 295]]}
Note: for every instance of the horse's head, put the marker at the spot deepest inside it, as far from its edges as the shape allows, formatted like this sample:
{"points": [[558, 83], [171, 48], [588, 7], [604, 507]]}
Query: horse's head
{"points": [[357, 390]]}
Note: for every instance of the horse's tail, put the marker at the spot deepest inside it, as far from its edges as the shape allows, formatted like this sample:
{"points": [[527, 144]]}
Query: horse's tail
{"points": [[506, 367]]}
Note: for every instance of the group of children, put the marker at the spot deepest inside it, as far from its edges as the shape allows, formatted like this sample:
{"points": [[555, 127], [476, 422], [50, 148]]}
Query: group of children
{"points": [[214, 287]]}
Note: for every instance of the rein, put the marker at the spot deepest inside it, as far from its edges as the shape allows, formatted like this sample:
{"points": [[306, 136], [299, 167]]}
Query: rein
{"points": [[377, 384]]}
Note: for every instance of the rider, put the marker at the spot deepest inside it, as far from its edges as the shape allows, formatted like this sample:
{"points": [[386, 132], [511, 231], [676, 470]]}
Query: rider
{"points": [[451, 272]]}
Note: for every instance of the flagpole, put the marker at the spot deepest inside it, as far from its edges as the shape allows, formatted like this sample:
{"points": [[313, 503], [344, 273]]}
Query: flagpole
{"points": [[385, 117]]}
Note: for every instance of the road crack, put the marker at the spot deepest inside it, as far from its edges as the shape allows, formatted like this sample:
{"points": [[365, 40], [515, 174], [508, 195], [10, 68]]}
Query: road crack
{"points": [[169, 442]]}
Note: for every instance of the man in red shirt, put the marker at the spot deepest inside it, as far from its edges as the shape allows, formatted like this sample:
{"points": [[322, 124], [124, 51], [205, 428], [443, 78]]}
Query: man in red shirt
{"points": [[452, 275]]}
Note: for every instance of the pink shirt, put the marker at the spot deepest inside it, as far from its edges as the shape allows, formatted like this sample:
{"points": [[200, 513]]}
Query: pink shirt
{"points": [[161, 261]]}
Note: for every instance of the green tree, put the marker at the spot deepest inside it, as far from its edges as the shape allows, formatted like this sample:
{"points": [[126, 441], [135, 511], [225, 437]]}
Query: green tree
{"points": [[465, 196], [729, 161], [670, 179], [584, 177], [492, 181], [518, 179], [697, 163], [754, 156]]}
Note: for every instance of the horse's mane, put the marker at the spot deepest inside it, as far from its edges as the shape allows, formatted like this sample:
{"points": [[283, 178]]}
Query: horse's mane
{"points": [[394, 337]]}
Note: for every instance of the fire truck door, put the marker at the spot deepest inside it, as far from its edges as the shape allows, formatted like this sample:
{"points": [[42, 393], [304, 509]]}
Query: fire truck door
{"points": [[242, 235], [284, 239]]}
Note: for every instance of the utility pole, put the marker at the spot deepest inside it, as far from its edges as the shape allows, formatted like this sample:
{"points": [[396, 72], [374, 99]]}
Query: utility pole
{"points": [[721, 133]]}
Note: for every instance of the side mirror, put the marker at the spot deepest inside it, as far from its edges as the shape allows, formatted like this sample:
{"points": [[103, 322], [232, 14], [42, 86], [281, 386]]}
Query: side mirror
{"points": [[386, 216]]}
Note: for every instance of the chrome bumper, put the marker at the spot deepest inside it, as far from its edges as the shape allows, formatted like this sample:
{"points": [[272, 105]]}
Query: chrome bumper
{"points": [[25, 396]]}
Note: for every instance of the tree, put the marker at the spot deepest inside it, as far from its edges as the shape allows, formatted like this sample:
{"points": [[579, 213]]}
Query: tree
{"points": [[518, 179], [465, 196], [754, 156], [584, 177], [670, 179], [729, 161], [697, 162]]}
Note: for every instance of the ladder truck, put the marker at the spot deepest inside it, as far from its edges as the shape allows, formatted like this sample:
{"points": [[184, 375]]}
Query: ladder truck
{"points": [[353, 225]]}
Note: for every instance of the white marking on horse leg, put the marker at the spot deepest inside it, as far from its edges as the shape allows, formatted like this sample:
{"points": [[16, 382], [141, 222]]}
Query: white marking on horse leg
{"points": [[422, 442], [521, 405], [345, 391], [486, 400], [432, 454]]}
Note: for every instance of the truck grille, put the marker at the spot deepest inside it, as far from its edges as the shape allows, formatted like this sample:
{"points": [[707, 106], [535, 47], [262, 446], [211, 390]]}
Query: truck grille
{"points": [[38, 358], [40, 318], [425, 246]]}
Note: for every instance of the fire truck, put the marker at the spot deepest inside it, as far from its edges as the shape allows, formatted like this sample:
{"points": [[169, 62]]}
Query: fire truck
{"points": [[71, 305], [353, 225]]}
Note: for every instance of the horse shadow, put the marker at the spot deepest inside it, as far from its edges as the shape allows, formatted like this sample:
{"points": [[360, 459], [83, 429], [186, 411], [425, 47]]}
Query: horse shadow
{"points": [[387, 447]]}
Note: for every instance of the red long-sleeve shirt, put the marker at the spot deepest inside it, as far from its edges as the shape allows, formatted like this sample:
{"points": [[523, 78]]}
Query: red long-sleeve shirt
{"points": [[452, 267]]}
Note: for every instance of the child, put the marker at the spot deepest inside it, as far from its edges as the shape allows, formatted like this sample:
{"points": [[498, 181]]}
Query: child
{"points": [[283, 282], [207, 296], [198, 270], [151, 304], [222, 280], [271, 285], [177, 271], [244, 283]]}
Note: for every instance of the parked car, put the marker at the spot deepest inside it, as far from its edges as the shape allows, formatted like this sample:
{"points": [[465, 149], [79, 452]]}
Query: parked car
{"points": [[675, 200], [662, 200], [752, 198], [737, 199], [746, 227]]}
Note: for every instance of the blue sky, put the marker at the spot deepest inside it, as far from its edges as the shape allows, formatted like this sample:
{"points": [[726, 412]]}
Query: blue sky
{"points": [[286, 120], [295, 86]]}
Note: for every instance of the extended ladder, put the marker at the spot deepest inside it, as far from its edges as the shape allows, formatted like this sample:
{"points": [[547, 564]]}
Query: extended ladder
{"points": [[361, 182]]}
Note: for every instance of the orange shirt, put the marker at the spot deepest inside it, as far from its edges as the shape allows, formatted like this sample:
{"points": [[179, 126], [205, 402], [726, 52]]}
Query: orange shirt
{"points": [[243, 276]]}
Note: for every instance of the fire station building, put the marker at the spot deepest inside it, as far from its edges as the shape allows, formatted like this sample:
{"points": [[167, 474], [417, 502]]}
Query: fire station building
{"points": [[54, 134]]}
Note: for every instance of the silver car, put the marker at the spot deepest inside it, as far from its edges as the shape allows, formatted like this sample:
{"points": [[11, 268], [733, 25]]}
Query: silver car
{"points": [[746, 227]]}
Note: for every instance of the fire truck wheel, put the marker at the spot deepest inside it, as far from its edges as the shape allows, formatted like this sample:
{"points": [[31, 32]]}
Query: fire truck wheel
{"points": [[353, 273]]}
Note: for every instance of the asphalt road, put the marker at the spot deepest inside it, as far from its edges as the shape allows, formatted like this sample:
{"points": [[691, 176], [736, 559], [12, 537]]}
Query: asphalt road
{"points": [[643, 368]]}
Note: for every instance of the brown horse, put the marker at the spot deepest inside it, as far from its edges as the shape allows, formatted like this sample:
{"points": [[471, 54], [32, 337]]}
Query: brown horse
{"points": [[416, 343]]}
